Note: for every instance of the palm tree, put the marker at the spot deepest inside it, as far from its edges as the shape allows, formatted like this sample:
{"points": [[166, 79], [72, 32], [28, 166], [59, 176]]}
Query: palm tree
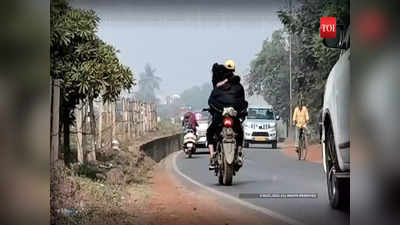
{"points": [[148, 83]]}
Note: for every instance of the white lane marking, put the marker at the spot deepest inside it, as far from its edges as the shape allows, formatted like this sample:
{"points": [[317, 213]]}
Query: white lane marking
{"points": [[265, 211], [264, 150]]}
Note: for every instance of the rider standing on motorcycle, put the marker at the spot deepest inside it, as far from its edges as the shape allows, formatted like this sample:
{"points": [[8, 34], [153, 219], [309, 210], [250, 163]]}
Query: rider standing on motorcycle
{"points": [[227, 92]]}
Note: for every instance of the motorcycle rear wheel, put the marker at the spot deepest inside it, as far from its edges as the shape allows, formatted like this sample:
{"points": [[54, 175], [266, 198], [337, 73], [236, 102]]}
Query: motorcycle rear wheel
{"points": [[220, 177], [220, 172], [228, 173]]}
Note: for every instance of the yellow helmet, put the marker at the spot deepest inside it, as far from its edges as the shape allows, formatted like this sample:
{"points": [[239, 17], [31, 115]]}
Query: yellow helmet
{"points": [[230, 64]]}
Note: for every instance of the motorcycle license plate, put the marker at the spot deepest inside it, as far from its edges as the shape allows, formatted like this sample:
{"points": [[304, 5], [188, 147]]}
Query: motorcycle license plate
{"points": [[190, 145], [260, 138]]}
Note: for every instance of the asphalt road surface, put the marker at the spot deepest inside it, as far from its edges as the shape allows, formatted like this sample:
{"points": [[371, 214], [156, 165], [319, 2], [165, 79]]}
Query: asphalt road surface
{"points": [[267, 171]]}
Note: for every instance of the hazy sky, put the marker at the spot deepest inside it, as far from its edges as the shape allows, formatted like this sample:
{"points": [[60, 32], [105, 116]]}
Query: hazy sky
{"points": [[182, 39]]}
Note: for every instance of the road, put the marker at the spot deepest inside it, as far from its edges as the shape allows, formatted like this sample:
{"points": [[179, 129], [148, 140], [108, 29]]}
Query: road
{"points": [[269, 170]]}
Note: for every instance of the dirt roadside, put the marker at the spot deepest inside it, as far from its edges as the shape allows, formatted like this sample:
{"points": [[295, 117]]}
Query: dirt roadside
{"points": [[171, 203], [314, 153], [159, 197]]}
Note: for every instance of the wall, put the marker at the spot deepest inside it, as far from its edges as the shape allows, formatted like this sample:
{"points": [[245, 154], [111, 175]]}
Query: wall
{"points": [[162, 147]]}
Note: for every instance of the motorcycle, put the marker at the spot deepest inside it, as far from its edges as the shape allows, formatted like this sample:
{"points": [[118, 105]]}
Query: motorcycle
{"points": [[189, 142], [227, 150]]}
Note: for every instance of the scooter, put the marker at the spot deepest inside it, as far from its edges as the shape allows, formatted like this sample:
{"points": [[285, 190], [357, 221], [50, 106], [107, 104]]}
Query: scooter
{"points": [[189, 142]]}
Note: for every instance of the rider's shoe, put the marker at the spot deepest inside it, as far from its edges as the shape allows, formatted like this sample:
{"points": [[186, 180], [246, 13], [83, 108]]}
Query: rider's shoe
{"points": [[239, 163], [211, 165], [240, 157]]}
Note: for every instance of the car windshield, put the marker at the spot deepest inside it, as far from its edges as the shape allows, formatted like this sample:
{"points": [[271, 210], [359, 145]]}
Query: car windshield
{"points": [[262, 114]]}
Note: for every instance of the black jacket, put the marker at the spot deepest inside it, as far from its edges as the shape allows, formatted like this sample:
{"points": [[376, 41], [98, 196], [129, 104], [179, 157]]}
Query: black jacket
{"points": [[231, 94], [218, 73]]}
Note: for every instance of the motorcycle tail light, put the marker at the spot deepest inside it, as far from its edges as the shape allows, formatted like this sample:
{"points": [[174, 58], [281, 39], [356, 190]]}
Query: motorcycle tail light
{"points": [[228, 122]]}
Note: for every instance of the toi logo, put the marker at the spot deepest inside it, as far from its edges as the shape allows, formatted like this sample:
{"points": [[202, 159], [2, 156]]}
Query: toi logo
{"points": [[327, 27]]}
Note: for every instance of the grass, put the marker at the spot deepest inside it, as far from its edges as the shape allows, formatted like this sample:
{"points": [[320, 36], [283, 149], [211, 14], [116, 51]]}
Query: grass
{"points": [[97, 201]]}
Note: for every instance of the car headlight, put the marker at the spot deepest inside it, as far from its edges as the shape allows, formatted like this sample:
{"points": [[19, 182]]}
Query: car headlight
{"points": [[272, 125]]}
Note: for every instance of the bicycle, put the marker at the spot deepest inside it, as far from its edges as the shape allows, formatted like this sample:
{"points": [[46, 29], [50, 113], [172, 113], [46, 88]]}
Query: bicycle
{"points": [[302, 149]]}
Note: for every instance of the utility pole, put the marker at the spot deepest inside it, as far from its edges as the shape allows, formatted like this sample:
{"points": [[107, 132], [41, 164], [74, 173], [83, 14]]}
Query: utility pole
{"points": [[290, 69]]}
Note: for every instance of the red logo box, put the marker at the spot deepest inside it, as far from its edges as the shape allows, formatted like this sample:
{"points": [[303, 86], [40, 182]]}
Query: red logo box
{"points": [[327, 27]]}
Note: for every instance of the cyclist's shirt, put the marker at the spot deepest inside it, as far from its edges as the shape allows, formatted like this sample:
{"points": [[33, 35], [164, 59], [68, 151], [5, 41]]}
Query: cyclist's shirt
{"points": [[300, 116]]}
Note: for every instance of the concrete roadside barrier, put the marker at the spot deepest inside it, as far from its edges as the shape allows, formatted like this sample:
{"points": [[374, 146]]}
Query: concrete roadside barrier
{"points": [[160, 148]]}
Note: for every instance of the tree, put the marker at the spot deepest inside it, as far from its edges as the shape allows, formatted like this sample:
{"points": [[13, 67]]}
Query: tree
{"points": [[268, 75], [197, 96], [312, 60], [148, 84], [87, 66]]}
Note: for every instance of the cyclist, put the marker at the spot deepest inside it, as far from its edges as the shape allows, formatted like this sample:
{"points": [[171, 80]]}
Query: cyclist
{"points": [[300, 120]]}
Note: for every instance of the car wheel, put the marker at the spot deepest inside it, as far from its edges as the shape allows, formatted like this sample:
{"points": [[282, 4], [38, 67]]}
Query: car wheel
{"points": [[338, 191], [333, 189], [274, 145], [338, 188], [246, 144]]}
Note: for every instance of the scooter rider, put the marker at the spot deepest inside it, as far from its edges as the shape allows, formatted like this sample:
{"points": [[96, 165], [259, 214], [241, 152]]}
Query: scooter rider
{"points": [[227, 92], [189, 121]]}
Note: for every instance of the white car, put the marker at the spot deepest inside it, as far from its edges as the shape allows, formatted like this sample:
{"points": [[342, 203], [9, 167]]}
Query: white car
{"points": [[203, 122], [260, 126], [335, 126]]}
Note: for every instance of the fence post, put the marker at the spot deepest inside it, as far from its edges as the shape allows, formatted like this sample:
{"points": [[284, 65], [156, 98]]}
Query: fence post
{"points": [[91, 156], [145, 117], [100, 124], [135, 118], [128, 118], [84, 131], [149, 117], [142, 117], [79, 146], [126, 122], [55, 119], [113, 109], [154, 117]]}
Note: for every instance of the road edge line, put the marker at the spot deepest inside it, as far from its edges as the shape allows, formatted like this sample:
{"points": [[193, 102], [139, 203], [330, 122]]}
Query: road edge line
{"points": [[249, 205]]}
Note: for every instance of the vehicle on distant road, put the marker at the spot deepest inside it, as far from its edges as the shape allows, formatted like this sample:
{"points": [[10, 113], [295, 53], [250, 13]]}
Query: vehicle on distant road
{"points": [[335, 119], [203, 120], [189, 142], [260, 126]]}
